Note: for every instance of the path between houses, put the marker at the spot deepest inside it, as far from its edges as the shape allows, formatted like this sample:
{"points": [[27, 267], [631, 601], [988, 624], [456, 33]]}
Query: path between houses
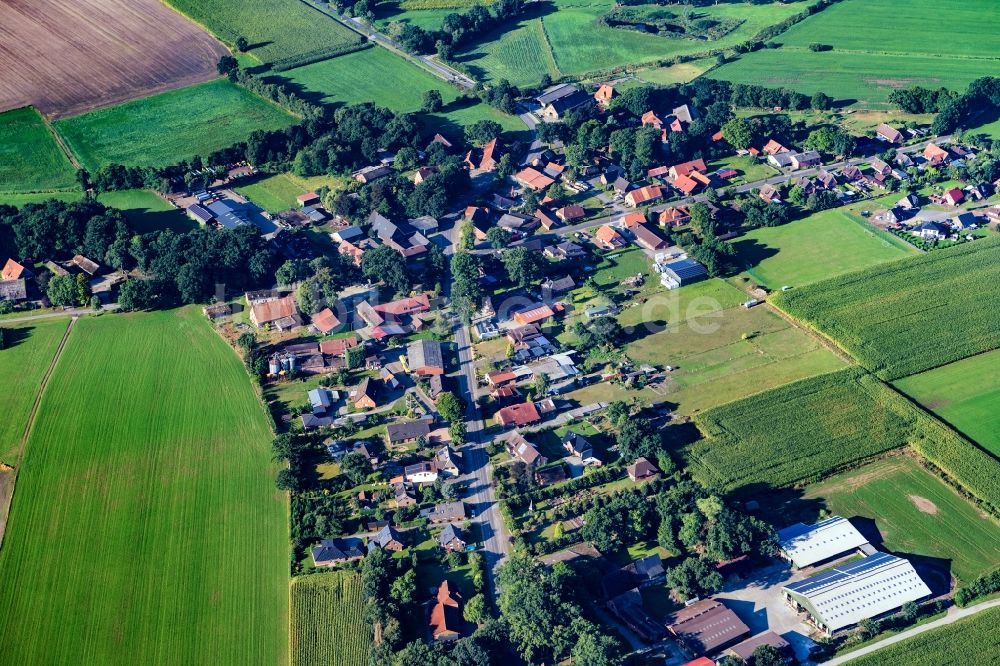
{"points": [[9, 479], [954, 614]]}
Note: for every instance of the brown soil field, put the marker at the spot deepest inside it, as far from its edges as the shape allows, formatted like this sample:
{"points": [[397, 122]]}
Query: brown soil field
{"points": [[69, 56]]}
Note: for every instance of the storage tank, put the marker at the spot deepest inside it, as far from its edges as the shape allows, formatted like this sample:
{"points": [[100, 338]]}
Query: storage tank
{"points": [[273, 365]]}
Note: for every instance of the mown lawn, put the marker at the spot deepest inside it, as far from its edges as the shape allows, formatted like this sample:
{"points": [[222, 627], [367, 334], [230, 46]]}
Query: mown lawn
{"points": [[19, 199], [916, 514], [273, 193], [30, 159], [893, 50], [820, 246], [146, 211], [327, 625], [169, 127], [23, 363], [279, 31], [378, 76], [147, 476], [965, 394]]}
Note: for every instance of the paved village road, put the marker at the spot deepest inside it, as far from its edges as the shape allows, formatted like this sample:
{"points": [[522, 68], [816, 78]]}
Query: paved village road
{"points": [[953, 615], [78, 312]]}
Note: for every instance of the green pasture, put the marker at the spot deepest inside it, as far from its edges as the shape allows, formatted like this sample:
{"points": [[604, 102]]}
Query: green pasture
{"points": [[682, 72], [378, 76], [31, 347], [965, 394], [19, 199], [147, 211], [823, 245], [916, 514], [30, 159], [911, 315], [169, 127], [145, 511], [274, 193], [280, 32]]}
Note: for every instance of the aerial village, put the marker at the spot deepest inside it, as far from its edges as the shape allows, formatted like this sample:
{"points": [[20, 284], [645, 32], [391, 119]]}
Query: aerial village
{"points": [[572, 246]]}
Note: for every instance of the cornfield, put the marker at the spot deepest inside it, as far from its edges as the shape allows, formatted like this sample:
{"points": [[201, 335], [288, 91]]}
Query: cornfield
{"points": [[327, 625], [908, 316]]}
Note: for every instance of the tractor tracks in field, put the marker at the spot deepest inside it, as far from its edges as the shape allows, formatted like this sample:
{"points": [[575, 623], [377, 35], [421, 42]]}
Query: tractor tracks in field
{"points": [[8, 479]]}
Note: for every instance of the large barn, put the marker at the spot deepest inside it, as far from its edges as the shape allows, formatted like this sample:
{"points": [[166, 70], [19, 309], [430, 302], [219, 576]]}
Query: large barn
{"points": [[806, 545]]}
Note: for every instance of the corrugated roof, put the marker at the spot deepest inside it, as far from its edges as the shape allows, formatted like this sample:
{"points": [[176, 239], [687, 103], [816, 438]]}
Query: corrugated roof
{"points": [[808, 544]]}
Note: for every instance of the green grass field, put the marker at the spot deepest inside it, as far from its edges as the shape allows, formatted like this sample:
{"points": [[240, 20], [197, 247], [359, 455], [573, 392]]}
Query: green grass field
{"points": [[273, 193], [280, 32], [798, 432], [22, 365], [30, 159], [885, 315], [965, 394], [972, 640], [679, 73], [823, 245], [145, 509], [376, 75], [916, 513], [19, 199], [877, 48], [169, 127], [327, 625], [566, 39], [147, 211]]}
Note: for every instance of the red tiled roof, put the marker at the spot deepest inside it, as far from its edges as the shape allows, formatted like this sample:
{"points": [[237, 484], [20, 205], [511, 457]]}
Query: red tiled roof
{"points": [[685, 168], [264, 313], [12, 270], [532, 315], [644, 194], [533, 179], [325, 321], [685, 184], [404, 306], [518, 415], [338, 346]]}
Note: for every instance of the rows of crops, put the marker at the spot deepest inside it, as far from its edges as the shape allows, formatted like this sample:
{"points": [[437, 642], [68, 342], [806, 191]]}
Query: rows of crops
{"points": [[327, 625], [973, 640], [799, 431], [908, 316], [29, 157], [282, 33]]}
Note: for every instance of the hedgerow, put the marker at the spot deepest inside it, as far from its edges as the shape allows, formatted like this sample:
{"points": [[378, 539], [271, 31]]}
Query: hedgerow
{"points": [[908, 316], [799, 432]]}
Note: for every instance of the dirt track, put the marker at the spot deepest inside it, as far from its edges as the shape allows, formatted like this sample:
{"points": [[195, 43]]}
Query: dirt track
{"points": [[66, 57]]}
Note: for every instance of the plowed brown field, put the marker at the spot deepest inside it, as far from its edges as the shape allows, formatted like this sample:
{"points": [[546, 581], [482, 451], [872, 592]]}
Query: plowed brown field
{"points": [[66, 57]]}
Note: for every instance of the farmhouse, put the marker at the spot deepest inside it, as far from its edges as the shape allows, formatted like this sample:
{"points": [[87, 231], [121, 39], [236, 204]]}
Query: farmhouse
{"points": [[424, 357], [533, 315], [444, 513], [556, 100], [641, 470], [649, 239], [605, 94], [404, 433], [446, 616], [388, 538], [518, 415], [371, 173], [533, 179], [451, 539], [806, 545], [281, 313], [13, 290], [337, 347], [520, 448], [643, 195], [706, 627], [608, 239], [845, 595], [886, 133], [12, 270], [935, 154], [330, 552], [325, 321]]}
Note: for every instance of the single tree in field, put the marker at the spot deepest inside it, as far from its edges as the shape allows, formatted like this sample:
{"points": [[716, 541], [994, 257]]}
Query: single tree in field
{"points": [[432, 101], [242, 45]]}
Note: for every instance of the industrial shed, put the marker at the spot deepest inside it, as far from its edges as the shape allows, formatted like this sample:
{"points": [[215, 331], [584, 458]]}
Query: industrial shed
{"points": [[806, 545], [845, 595]]}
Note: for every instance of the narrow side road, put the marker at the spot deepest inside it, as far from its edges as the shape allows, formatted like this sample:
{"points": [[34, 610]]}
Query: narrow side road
{"points": [[9, 479]]}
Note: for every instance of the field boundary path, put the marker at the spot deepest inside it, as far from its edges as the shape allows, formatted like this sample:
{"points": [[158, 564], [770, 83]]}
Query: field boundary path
{"points": [[63, 146], [954, 614], [9, 480]]}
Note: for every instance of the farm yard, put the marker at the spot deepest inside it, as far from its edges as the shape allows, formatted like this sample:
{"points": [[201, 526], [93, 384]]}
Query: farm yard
{"points": [[376, 75], [823, 245], [97, 53], [150, 464], [22, 366], [965, 394], [146, 211], [798, 431], [549, 40], [281, 33], [969, 640], [894, 50], [173, 126], [885, 315], [915, 513], [30, 158], [327, 625]]}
